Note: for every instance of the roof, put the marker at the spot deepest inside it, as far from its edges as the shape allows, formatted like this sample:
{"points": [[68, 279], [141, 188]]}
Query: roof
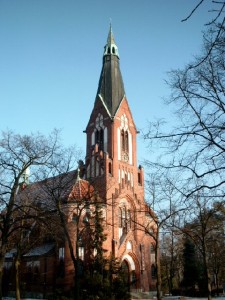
{"points": [[111, 87], [11, 253], [66, 187], [81, 190], [40, 250]]}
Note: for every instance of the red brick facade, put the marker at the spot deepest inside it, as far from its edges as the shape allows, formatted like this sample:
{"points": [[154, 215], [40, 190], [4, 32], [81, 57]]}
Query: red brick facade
{"points": [[111, 166]]}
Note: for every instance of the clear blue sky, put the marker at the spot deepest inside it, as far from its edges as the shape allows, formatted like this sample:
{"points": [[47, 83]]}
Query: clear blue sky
{"points": [[51, 58]]}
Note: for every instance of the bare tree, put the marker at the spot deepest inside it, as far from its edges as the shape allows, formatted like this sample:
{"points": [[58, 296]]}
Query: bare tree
{"points": [[217, 16], [203, 227], [197, 143], [161, 211], [171, 260], [72, 200], [17, 154]]}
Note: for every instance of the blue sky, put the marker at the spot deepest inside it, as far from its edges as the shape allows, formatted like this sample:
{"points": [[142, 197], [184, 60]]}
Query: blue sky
{"points": [[51, 58]]}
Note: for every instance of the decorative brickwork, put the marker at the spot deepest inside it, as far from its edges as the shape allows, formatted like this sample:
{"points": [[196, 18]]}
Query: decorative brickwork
{"points": [[111, 167]]}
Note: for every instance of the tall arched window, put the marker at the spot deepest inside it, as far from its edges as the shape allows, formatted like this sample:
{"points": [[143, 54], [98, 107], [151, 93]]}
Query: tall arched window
{"points": [[122, 140], [124, 217], [99, 138], [99, 131], [120, 217], [128, 219], [124, 145], [153, 271], [126, 141]]}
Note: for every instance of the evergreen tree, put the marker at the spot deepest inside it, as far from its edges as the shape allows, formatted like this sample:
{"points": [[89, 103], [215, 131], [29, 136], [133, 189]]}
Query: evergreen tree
{"points": [[190, 266], [104, 278], [95, 284]]}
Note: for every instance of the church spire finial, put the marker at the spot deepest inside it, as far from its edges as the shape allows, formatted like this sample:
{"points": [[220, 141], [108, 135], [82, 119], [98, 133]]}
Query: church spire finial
{"points": [[111, 47]]}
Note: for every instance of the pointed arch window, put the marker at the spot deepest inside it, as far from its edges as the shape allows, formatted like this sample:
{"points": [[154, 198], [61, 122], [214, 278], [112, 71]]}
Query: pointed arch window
{"points": [[99, 138], [153, 271], [125, 145], [128, 219], [124, 219], [126, 141], [122, 140], [120, 217]]}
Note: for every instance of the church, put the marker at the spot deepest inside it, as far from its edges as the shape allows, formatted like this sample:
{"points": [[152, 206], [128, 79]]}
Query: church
{"points": [[111, 160], [111, 172]]}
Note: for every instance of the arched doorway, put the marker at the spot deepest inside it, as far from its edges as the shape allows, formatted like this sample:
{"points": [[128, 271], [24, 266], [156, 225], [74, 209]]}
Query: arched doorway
{"points": [[125, 273], [128, 268]]}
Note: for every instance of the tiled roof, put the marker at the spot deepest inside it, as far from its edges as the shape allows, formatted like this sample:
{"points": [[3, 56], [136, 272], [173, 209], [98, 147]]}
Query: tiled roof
{"points": [[40, 250], [81, 190]]}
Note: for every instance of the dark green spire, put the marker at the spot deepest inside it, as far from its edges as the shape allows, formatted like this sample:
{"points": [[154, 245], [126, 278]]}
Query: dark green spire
{"points": [[111, 88]]}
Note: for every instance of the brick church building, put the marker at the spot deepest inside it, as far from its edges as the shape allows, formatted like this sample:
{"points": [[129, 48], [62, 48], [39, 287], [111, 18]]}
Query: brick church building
{"points": [[112, 173], [111, 160]]}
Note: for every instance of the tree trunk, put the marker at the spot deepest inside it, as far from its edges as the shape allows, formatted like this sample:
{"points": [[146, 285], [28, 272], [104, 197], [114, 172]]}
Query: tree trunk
{"points": [[1, 276], [206, 271], [17, 264], [77, 281], [158, 268], [2, 260]]}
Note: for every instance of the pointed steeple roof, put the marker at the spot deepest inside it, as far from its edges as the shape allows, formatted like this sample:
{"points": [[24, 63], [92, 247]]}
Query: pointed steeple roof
{"points": [[81, 190], [111, 88], [111, 43], [110, 39]]}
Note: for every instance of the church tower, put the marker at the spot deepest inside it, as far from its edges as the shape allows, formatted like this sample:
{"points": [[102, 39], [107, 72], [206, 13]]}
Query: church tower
{"points": [[111, 167]]}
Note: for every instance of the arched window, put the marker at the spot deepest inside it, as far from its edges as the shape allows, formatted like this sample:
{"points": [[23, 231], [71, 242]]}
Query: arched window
{"points": [[126, 142], [128, 219], [153, 271], [120, 217], [122, 140], [99, 138], [125, 145], [124, 217], [125, 177]]}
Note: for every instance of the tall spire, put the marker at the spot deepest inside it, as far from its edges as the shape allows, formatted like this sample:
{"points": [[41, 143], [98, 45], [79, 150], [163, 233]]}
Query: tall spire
{"points": [[111, 88]]}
